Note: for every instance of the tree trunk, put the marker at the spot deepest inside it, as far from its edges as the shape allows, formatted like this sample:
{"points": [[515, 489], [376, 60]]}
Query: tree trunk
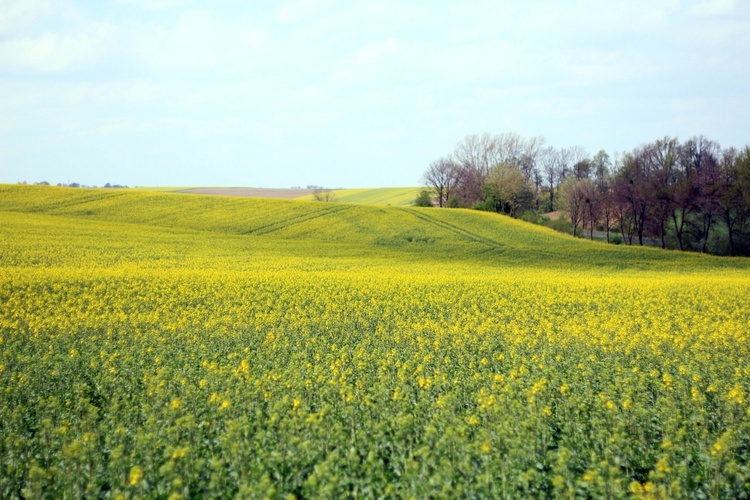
{"points": [[551, 197], [662, 231], [606, 223], [730, 219], [707, 221], [678, 228]]}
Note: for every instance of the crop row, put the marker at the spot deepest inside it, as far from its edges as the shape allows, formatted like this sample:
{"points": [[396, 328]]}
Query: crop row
{"points": [[342, 384]]}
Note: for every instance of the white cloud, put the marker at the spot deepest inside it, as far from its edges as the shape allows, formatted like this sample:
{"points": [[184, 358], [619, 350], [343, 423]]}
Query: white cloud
{"points": [[686, 105], [46, 36], [299, 10], [132, 92], [7, 125], [151, 4], [369, 57], [309, 72], [49, 53], [16, 16], [86, 96], [200, 42], [710, 8], [597, 68]]}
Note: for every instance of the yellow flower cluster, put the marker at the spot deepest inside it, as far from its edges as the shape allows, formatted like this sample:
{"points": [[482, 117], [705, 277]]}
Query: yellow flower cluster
{"points": [[200, 361]]}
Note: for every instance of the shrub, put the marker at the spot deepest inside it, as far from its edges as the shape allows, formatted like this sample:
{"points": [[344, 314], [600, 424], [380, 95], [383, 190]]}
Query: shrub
{"points": [[487, 205], [534, 218], [561, 224], [453, 202], [423, 199]]}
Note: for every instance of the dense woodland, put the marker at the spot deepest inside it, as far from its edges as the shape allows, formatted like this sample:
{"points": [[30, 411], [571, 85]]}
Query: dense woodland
{"points": [[691, 195]]}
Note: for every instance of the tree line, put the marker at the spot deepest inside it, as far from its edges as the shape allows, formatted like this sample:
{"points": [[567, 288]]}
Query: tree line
{"points": [[691, 195]]}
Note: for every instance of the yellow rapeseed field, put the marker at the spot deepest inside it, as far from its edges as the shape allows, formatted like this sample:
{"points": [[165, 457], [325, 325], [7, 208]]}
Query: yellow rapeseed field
{"points": [[167, 345]]}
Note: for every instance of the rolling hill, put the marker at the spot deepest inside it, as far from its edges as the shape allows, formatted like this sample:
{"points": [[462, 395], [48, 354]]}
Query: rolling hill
{"points": [[173, 345], [397, 197], [360, 196], [384, 232]]}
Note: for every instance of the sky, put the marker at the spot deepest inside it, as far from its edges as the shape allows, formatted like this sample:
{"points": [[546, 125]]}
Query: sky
{"points": [[351, 93]]}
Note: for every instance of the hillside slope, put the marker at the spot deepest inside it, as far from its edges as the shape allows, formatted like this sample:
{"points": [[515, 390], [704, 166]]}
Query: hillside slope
{"points": [[160, 344], [387, 232], [396, 197]]}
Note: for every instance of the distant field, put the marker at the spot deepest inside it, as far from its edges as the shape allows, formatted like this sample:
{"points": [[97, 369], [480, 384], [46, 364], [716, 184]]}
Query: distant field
{"points": [[362, 196], [160, 189], [158, 345], [246, 192], [375, 196]]}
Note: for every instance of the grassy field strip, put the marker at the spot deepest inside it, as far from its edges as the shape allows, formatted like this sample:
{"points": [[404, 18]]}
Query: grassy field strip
{"points": [[361, 226], [457, 229], [81, 199], [283, 224], [161, 189], [373, 196]]}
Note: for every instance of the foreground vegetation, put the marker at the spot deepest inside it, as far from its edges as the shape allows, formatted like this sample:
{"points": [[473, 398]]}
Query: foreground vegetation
{"points": [[173, 345]]}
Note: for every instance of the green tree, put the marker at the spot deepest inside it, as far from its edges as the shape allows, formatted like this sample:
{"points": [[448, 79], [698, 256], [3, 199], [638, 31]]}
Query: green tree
{"points": [[423, 199], [507, 185]]}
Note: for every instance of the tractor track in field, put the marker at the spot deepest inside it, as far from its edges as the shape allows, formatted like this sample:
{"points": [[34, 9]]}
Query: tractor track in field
{"points": [[62, 205], [284, 223], [458, 230]]}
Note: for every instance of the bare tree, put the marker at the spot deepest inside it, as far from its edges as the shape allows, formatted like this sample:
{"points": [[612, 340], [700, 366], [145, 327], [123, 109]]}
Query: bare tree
{"points": [[691, 157], [592, 207], [441, 177], [685, 192], [469, 187], [528, 162], [323, 194], [477, 155], [573, 201], [708, 195], [564, 158], [601, 166], [702, 160], [479, 152], [549, 164], [659, 159], [731, 199], [622, 208], [581, 164], [660, 189], [602, 169], [632, 196], [607, 209], [486, 151]]}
